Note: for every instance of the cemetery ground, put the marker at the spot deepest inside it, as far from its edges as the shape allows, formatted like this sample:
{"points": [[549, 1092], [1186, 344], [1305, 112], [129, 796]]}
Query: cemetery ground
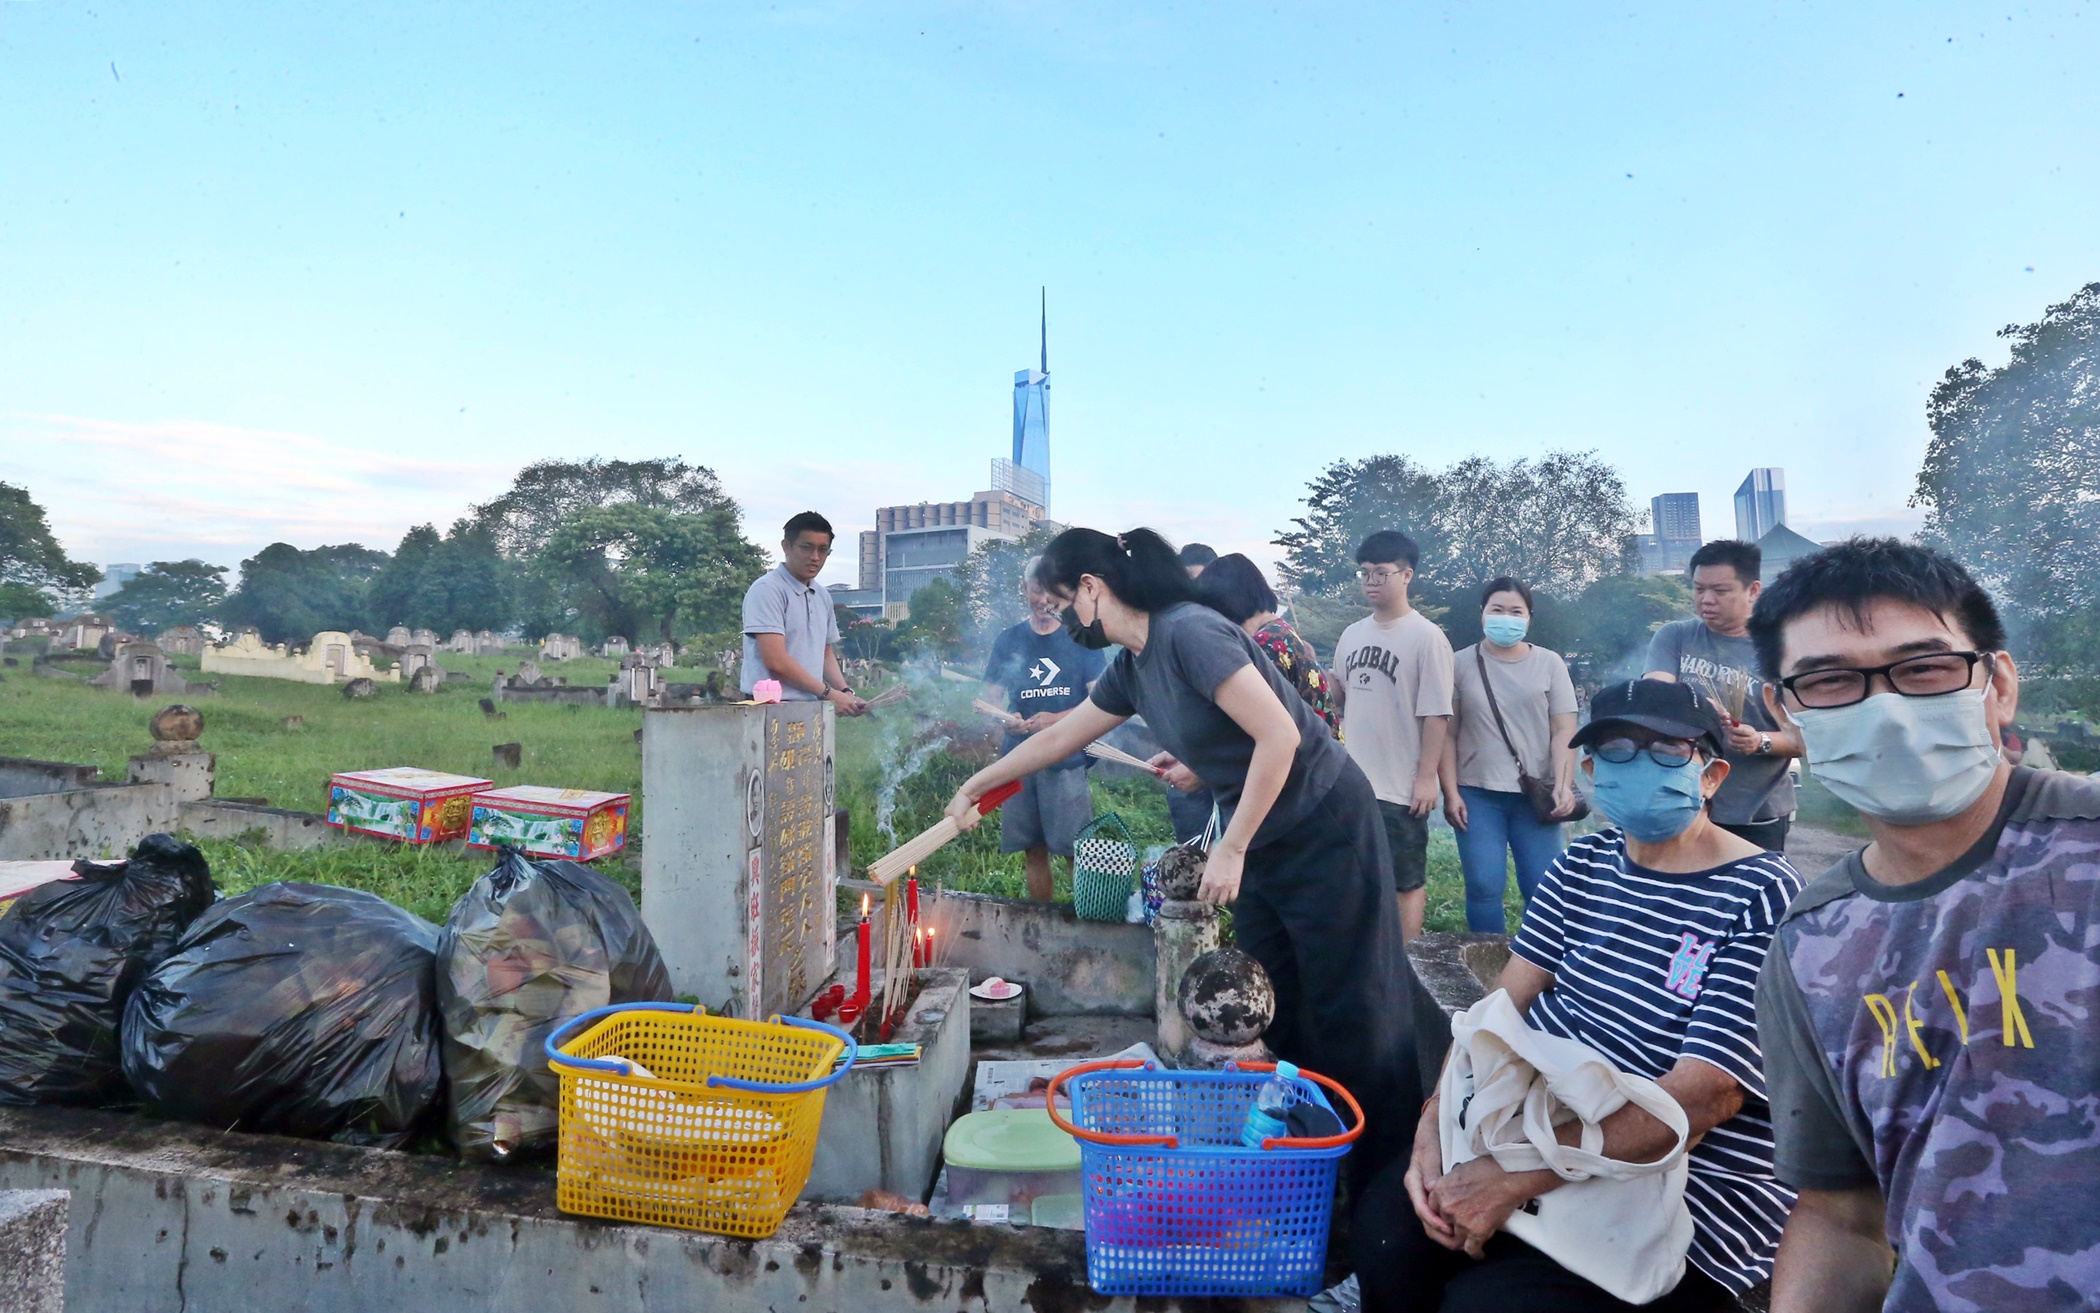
{"points": [[280, 741]]}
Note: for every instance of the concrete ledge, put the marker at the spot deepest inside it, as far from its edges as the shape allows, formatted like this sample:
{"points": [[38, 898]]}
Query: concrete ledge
{"points": [[1456, 972], [1071, 967], [33, 1251], [167, 1215], [285, 830]]}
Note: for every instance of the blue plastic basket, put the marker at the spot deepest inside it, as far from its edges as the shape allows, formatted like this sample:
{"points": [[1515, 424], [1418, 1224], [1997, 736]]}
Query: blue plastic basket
{"points": [[1175, 1205]]}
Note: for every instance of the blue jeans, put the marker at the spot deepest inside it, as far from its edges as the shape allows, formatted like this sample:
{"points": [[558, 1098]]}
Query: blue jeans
{"points": [[1499, 825]]}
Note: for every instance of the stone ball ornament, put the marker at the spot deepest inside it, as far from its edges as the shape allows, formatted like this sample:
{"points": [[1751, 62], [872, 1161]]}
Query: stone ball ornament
{"points": [[1180, 873], [176, 724], [1226, 997]]}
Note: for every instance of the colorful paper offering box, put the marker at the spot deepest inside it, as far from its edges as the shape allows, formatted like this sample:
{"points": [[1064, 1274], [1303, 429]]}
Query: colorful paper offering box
{"points": [[405, 803], [548, 822]]}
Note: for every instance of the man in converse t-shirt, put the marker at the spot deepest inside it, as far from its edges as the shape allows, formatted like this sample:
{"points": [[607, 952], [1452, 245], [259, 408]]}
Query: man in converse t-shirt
{"points": [[1394, 667]]}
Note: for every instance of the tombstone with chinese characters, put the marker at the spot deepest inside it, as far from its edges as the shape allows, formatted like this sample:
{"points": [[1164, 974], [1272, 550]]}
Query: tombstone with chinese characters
{"points": [[738, 882]]}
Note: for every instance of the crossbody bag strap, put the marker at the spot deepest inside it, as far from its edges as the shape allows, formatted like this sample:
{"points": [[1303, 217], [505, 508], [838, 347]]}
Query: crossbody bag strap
{"points": [[1496, 707]]}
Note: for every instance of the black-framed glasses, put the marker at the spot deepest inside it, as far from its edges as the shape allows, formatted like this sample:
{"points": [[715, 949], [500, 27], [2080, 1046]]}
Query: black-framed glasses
{"points": [[1375, 576], [1929, 676], [1663, 752]]}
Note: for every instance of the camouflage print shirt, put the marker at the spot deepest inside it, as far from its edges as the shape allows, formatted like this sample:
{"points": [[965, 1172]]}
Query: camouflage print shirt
{"points": [[1940, 1041]]}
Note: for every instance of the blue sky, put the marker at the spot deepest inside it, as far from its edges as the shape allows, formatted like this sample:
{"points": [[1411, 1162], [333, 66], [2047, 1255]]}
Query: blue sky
{"points": [[317, 274]]}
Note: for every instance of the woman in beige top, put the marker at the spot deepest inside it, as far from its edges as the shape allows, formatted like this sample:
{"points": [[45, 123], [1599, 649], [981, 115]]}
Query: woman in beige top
{"points": [[1483, 799]]}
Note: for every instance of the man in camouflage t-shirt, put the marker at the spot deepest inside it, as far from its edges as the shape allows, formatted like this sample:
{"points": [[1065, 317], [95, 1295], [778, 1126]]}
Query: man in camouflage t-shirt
{"points": [[1927, 1012]]}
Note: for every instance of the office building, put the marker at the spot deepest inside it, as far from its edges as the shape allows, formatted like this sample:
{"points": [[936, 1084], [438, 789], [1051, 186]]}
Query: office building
{"points": [[1674, 533], [1760, 504], [1032, 424], [115, 575]]}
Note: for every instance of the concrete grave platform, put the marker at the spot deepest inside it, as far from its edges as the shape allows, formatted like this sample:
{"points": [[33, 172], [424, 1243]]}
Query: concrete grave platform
{"points": [[166, 1215], [883, 1126], [33, 1251]]}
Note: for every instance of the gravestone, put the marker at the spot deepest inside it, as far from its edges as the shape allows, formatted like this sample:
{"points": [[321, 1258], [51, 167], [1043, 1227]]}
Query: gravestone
{"points": [[141, 669], [361, 688], [397, 636], [427, 679], [427, 637], [508, 755], [487, 642], [182, 640], [528, 675], [561, 647], [462, 641], [614, 647], [738, 880]]}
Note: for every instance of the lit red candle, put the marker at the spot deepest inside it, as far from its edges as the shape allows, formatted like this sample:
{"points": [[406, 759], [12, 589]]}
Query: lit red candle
{"points": [[911, 913], [860, 987]]}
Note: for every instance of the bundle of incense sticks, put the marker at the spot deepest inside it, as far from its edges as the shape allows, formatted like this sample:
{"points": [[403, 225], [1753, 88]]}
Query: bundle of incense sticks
{"points": [[890, 696], [1728, 692], [896, 956], [1098, 750], [885, 869]]}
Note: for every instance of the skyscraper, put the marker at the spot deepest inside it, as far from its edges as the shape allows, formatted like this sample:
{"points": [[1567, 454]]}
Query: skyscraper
{"points": [[1032, 417], [1674, 532], [1760, 504]]}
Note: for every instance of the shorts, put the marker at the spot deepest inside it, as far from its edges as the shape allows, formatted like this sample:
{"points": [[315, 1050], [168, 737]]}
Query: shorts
{"points": [[1051, 809], [1408, 836]]}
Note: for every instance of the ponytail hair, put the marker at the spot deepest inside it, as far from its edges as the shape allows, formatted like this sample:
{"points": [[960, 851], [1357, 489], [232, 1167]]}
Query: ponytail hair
{"points": [[1140, 568]]}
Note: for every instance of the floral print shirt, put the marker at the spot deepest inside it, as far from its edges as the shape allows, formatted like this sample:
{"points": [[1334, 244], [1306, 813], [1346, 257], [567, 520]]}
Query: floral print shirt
{"points": [[1301, 666]]}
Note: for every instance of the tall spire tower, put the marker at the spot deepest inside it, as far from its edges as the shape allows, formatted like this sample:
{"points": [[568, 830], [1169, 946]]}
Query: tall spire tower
{"points": [[1032, 416]]}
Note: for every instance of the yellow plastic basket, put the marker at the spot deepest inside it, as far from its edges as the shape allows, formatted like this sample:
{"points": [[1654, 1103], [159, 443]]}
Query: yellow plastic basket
{"points": [[717, 1137]]}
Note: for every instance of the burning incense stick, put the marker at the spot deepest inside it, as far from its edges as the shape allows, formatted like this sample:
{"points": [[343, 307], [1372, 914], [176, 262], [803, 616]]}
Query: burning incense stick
{"points": [[1100, 751], [890, 696], [885, 869], [1728, 691]]}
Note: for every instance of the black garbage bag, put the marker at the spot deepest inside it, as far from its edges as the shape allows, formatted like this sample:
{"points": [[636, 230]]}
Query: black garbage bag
{"points": [[532, 944], [71, 953], [294, 1009]]}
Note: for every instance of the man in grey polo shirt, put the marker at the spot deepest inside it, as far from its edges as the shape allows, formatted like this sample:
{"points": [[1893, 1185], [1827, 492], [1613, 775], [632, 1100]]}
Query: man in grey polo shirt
{"points": [[790, 631]]}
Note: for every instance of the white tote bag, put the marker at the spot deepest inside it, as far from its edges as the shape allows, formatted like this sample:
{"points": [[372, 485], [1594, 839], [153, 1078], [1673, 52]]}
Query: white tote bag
{"points": [[1622, 1226]]}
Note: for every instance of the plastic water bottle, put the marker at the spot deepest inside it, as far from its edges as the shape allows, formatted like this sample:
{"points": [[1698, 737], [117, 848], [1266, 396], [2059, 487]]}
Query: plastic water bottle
{"points": [[1272, 1104]]}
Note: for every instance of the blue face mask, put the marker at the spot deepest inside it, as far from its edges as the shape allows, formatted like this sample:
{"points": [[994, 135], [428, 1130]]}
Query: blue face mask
{"points": [[1651, 802], [1505, 630]]}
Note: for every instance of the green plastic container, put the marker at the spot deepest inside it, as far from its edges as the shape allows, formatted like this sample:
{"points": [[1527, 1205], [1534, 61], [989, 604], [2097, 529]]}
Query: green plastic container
{"points": [[1009, 1156], [1104, 869]]}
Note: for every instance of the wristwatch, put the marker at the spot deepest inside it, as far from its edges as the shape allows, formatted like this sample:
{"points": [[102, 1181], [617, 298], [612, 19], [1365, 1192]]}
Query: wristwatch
{"points": [[1764, 745]]}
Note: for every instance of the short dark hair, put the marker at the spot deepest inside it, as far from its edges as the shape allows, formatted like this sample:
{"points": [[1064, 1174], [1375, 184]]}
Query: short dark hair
{"points": [[1139, 567], [806, 522], [1505, 584], [1389, 545], [1863, 570], [1233, 587], [1198, 554], [1744, 558]]}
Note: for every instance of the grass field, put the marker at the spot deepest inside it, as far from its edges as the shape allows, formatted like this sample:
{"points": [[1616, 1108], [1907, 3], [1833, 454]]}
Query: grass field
{"points": [[576, 747]]}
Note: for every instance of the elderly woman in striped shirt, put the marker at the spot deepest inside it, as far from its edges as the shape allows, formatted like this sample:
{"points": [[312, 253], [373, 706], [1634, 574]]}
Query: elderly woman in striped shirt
{"points": [[1644, 942]]}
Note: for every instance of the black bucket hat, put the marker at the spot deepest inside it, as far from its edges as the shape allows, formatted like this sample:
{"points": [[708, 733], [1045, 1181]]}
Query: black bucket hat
{"points": [[1669, 709]]}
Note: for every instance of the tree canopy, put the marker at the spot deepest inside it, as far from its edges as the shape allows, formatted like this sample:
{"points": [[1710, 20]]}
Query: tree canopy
{"points": [[546, 493], [644, 571], [36, 575], [1558, 523], [166, 594], [2010, 484], [459, 581], [290, 595]]}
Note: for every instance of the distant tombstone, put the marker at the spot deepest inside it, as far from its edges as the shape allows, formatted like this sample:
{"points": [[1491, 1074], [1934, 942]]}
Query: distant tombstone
{"points": [[141, 669], [361, 688], [508, 755], [488, 709], [561, 647], [176, 724], [426, 637], [106, 647], [182, 640], [487, 642], [528, 675], [615, 647], [427, 679], [462, 641], [397, 636]]}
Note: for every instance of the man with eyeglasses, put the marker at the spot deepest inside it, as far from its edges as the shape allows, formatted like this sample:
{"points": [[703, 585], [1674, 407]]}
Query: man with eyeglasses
{"points": [[1713, 654], [1395, 670], [790, 631], [1927, 1013]]}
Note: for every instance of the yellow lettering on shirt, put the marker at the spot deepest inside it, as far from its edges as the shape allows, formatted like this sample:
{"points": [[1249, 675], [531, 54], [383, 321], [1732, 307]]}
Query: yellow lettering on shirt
{"points": [[2013, 1020], [1961, 1016], [1885, 1013], [1913, 1026]]}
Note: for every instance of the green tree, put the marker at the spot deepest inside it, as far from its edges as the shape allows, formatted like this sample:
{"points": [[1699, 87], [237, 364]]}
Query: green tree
{"points": [[642, 571], [166, 594], [459, 581], [36, 575], [1615, 617], [2011, 478], [990, 582], [936, 619], [1558, 523], [290, 595], [547, 493]]}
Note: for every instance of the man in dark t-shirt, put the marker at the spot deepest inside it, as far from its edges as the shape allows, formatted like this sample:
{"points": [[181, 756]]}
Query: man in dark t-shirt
{"points": [[1038, 673]]}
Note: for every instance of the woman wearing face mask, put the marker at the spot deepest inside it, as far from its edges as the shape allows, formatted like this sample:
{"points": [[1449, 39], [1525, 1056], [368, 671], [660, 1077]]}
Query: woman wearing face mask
{"points": [[1514, 710], [1302, 856], [1644, 942]]}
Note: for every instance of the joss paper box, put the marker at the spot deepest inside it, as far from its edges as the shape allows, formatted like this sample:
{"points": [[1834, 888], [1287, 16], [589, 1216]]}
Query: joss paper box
{"points": [[549, 822], [404, 802]]}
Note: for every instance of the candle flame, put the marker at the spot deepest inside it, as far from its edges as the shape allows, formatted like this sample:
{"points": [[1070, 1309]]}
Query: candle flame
{"points": [[911, 870], [863, 907]]}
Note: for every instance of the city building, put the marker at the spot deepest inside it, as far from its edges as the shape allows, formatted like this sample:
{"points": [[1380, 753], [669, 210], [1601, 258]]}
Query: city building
{"points": [[911, 546], [1760, 504], [1674, 536], [1781, 547], [115, 575]]}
